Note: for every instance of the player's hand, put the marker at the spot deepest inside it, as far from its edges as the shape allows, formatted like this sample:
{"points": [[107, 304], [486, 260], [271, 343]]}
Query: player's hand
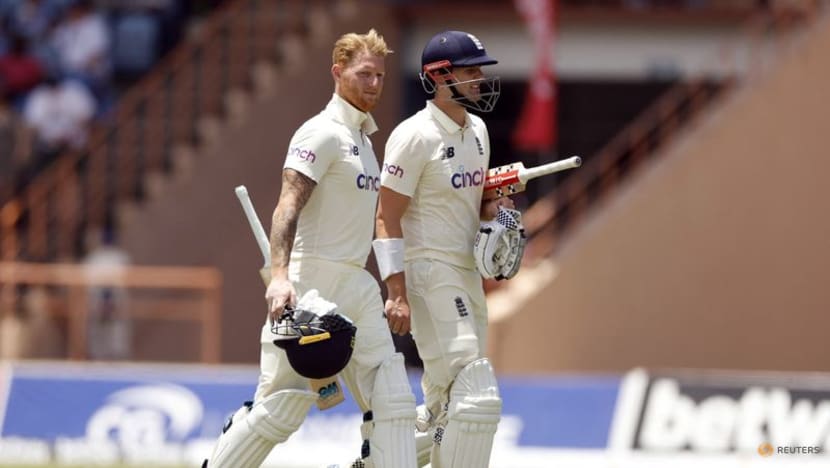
{"points": [[397, 314], [491, 207], [279, 293]]}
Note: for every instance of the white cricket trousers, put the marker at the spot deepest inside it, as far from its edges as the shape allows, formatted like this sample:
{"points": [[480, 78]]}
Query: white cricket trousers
{"points": [[357, 296], [449, 323]]}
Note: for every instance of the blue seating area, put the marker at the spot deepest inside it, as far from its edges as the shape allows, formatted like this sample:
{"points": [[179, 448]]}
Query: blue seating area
{"points": [[137, 33], [48, 47]]}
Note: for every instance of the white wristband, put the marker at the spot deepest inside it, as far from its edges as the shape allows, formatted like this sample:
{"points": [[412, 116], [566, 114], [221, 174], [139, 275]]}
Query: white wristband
{"points": [[389, 255]]}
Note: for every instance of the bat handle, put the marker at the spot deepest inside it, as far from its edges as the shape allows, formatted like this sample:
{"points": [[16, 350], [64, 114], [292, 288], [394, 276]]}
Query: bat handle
{"points": [[564, 164], [253, 221]]}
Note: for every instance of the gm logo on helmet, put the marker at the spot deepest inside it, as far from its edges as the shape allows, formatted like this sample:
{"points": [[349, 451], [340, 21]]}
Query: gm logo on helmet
{"points": [[329, 391]]}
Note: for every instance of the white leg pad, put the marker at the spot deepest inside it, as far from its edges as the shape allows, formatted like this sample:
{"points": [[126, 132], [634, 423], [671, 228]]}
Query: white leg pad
{"points": [[390, 430], [472, 418], [423, 446], [253, 433], [424, 433]]}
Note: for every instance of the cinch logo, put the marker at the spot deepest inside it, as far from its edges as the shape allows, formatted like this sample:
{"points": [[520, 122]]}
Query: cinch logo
{"points": [[304, 154], [462, 179], [329, 390], [367, 182], [396, 171]]}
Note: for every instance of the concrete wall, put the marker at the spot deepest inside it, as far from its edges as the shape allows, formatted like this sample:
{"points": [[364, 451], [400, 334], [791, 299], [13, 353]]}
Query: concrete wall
{"points": [[716, 256]]}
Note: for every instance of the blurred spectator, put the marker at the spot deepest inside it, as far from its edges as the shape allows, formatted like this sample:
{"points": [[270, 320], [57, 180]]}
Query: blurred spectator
{"points": [[82, 42], [136, 43], [11, 334], [15, 146], [59, 111], [641, 4], [4, 34], [19, 70], [29, 330], [109, 331], [6, 147], [33, 19], [42, 337]]}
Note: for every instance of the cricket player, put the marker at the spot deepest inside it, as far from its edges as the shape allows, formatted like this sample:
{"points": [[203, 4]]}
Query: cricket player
{"points": [[330, 172], [428, 215]]}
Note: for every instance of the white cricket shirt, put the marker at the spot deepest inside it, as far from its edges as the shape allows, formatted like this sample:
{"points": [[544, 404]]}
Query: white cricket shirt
{"points": [[441, 167], [333, 149]]}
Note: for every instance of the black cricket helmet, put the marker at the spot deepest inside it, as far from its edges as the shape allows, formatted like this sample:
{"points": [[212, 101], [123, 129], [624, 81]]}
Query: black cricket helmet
{"points": [[317, 346]]}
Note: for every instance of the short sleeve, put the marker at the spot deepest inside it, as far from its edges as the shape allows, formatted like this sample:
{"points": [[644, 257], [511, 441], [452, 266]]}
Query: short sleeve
{"points": [[312, 150], [404, 160]]}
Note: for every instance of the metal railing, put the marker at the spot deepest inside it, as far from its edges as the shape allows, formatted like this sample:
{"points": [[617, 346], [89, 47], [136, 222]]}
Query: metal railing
{"points": [[80, 190], [170, 294]]}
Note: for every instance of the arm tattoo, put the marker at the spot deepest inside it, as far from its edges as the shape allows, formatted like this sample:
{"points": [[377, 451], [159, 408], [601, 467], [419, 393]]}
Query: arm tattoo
{"points": [[296, 190]]}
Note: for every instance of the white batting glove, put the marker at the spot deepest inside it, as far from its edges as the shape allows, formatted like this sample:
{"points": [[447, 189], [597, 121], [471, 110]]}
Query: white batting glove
{"points": [[279, 293], [312, 302]]}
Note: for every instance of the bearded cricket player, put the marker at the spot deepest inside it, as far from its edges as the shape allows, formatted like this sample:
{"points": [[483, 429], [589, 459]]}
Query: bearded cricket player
{"points": [[330, 172]]}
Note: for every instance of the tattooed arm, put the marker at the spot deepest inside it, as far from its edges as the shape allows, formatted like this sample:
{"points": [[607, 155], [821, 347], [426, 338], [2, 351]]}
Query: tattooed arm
{"points": [[296, 190]]}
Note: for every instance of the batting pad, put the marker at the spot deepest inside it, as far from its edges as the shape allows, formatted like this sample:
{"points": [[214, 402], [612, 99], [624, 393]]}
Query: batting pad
{"points": [[423, 446], [250, 438], [472, 418], [424, 433], [391, 430]]}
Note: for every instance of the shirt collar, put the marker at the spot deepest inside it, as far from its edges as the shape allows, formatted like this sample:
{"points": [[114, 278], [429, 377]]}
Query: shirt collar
{"points": [[445, 121], [350, 116]]}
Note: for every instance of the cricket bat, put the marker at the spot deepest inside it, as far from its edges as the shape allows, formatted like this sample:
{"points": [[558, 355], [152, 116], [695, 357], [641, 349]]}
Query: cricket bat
{"points": [[329, 390], [506, 180]]}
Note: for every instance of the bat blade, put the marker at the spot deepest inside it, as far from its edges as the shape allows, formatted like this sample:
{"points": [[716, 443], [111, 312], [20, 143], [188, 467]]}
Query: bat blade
{"points": [[510, 179], [503, 181]]}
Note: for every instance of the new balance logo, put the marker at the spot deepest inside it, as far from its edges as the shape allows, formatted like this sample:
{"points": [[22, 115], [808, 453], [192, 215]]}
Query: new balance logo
{"points": [[448, 152]]}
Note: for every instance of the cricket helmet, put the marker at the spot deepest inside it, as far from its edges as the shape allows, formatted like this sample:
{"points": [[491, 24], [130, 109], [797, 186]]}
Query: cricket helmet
{"points": [[450, 49], [317, 346]]}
